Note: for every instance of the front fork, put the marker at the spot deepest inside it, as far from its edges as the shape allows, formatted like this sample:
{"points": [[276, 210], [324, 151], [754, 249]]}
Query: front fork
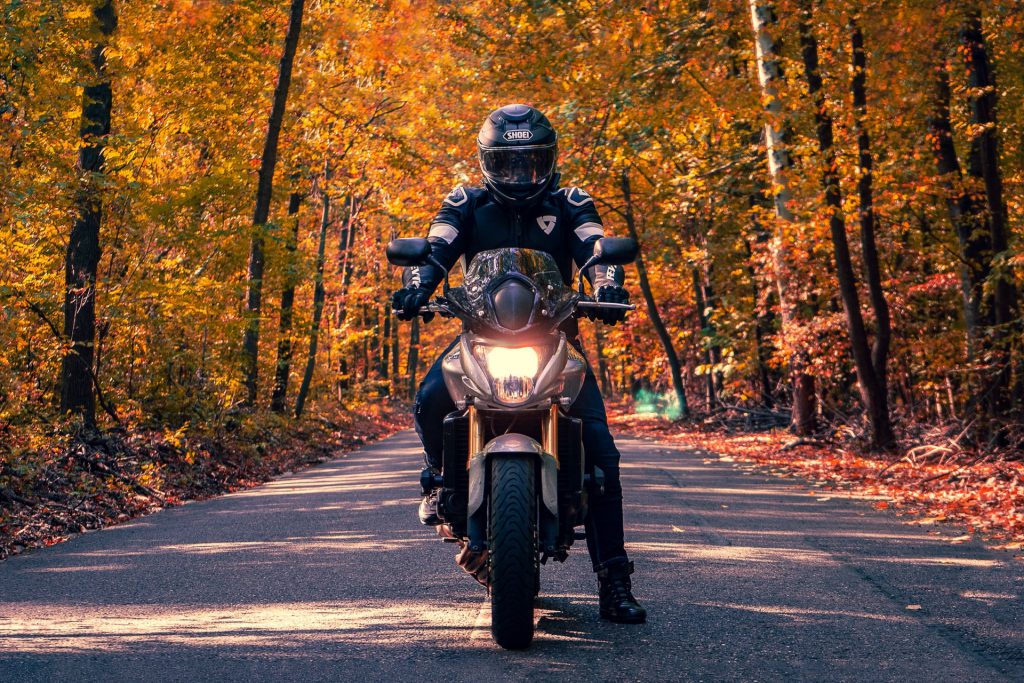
{"points": [[476, 523]]}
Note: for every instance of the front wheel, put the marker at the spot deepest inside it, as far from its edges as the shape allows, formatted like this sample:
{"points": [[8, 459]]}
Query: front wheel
{"points": [[513, 550]]}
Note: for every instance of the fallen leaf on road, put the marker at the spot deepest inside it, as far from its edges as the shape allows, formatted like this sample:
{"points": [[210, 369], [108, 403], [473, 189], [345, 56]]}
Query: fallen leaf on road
{"points": [[675, 528], [824, 498], [960, 539], [881, 505], [929, 520], [914, 607]]}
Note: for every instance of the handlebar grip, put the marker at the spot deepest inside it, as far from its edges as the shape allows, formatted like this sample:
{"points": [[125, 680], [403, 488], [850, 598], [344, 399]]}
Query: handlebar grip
{"points": [[606, 304], [430, 307]]}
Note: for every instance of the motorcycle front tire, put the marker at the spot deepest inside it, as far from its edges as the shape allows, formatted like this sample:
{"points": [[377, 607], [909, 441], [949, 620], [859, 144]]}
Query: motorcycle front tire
{"points": [[513, 550]]}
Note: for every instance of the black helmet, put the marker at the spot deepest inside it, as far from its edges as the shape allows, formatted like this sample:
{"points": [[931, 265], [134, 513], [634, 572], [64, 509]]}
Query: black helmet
{"points": [[518, 148]]}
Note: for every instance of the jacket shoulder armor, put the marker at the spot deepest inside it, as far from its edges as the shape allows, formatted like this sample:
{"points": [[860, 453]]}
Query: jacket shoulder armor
{"points": [[463, 196], [575, 196]]}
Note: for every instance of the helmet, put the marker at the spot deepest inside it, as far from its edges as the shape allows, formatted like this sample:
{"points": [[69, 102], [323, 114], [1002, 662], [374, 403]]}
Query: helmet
{"points": [[518, 148]]}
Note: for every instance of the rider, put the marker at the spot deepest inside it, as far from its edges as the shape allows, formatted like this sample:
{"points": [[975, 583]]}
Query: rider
{"points": [[521, 205]]}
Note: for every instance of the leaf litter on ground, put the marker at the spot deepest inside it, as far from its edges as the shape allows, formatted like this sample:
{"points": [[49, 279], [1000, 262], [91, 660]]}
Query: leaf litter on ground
{"points": [[980, 493]]}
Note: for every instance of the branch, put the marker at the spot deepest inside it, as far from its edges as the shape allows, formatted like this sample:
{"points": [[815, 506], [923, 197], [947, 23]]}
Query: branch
{"points": [[41, 314]]}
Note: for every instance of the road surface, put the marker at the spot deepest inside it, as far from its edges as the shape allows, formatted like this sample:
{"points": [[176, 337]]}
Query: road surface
{"points": [[326, 575]]}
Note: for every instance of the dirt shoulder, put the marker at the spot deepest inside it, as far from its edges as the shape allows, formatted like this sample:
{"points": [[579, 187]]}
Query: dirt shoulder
{"points": [[55, 486], [980, 492]]}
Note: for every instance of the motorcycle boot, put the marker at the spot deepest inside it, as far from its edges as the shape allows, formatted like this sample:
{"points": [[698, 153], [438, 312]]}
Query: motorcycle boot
{"points": [[616, 595], [428, 505], [428, 509]]}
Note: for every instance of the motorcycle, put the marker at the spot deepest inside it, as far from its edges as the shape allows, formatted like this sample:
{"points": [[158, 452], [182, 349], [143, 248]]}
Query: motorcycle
{"points": [[514, 481]]}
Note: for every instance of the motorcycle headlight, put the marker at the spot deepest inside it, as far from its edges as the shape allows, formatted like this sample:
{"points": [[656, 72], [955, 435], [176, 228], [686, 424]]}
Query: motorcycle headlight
{"points": [[512, 370]]}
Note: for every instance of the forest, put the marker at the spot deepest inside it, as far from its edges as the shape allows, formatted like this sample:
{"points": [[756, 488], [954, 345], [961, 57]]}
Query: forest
{"points": [[195, 196]]}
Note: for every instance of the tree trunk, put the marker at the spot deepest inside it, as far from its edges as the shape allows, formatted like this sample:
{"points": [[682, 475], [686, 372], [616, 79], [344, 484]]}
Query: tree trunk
{"points": [[762, 16], [602, 362], [869, 247], [984, 163], [413, 357], [385, 346], [346, 263], [652, 307], [364, 326], [872, 394], [762, 329], [264, 190], [394, 353], [964, 211], [1001, 304], [709, 381], [78, 391], [284, 342], [318, 294]]}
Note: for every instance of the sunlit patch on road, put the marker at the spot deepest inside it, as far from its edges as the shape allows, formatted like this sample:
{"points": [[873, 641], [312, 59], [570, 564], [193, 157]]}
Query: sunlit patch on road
{"points": [[34, 627]]}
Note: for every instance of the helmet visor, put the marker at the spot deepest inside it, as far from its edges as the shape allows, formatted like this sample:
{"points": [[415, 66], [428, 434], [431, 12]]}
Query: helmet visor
{"points": [[523, 166]]}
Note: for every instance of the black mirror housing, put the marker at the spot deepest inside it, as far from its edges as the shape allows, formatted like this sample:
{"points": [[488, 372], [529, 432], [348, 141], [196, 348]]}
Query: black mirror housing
{"points": [[616, 251], [408, 251]]}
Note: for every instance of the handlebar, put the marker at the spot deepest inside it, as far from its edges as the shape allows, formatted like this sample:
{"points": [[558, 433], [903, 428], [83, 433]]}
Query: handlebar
{"points": [[441, 309], [606, 305], [431, 307]]}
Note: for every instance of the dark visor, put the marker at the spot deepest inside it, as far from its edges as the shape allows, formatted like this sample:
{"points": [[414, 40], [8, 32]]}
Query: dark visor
{"points": [[518, 165]]}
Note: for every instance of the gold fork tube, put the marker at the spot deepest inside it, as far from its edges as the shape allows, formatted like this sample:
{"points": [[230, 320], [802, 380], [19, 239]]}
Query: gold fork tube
{"points": [[476, 433], [549, 433]]}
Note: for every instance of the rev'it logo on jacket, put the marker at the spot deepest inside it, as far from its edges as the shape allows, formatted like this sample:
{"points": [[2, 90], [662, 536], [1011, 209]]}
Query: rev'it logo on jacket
{"points": [[515, 135], [546, 223]]}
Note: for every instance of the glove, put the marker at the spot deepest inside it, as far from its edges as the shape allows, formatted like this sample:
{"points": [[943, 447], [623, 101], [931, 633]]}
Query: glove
{"points": [[611, 294], [409, 300]]}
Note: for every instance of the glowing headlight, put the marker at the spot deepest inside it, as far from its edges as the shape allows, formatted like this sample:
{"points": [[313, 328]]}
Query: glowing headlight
{"points": [[512, 371]]}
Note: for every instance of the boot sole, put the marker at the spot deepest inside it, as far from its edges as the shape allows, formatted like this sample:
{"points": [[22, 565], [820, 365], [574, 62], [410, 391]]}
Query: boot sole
{"points": [[624, 620]]}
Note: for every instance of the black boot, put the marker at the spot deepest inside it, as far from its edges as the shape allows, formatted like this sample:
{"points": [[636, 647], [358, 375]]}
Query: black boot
{"points": [[616, 595]]}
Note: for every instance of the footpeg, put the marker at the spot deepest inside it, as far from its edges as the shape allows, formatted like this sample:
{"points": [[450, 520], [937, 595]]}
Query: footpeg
{"points": [[474, 561]]}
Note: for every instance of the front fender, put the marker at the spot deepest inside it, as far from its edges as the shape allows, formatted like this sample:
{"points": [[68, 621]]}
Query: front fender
{"points": [[513, 444]]}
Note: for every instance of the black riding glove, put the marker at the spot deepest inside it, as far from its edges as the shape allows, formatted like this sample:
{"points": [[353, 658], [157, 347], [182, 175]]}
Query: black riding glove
{"points": [[409, 300], [611, 294]]}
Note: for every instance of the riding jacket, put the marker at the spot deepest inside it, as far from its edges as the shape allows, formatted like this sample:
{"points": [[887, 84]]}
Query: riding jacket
{"points": [[565, 225]]}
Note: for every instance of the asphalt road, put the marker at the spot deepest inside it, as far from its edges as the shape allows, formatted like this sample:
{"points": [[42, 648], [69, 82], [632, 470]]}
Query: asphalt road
{"points": [[326, 575]]}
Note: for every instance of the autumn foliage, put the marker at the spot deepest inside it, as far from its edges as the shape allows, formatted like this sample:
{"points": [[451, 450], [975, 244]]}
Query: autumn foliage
{"points": [[129, 224]]}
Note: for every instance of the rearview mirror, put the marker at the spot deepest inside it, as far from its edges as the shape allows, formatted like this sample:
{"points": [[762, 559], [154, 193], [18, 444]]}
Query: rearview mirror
{"points": [[616, 251], [408, 251]]}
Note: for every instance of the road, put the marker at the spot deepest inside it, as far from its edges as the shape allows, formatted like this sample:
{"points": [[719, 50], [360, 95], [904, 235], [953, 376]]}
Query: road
{"points": [[326, 575]]}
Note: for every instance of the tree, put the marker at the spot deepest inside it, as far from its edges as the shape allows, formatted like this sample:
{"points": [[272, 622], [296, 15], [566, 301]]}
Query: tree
{"points": [[318, 292], [873, 392], [779, 164], [284, 340], [652, 306], [83, 251], [866, 212], [264, 194]]}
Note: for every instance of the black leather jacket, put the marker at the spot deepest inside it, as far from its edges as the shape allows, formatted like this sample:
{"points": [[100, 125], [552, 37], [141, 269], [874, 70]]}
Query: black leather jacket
{"points": [[566, 225]]}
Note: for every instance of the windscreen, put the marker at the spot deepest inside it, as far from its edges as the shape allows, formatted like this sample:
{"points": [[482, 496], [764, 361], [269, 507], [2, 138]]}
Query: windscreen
{"points": [[489, 269]]}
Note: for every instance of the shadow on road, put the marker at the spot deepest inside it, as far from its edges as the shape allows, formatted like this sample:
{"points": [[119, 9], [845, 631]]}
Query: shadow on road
{"points": [[327, 572]]}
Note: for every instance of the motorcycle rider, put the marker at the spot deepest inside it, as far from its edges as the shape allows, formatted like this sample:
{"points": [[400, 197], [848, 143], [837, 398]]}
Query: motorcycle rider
{"points": [[521, 205]]}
